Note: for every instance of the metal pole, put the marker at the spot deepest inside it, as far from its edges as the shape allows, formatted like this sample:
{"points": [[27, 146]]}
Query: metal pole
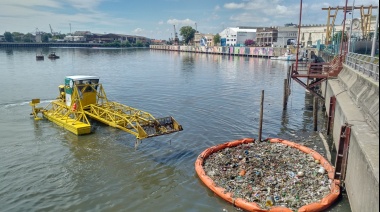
{"points": [[352, 18], [375, 36], [315, 113], [261, 115], [344, 26], [299, 34]]}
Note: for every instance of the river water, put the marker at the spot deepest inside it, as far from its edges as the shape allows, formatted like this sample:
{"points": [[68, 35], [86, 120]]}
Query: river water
{"points": [[216, 99]]}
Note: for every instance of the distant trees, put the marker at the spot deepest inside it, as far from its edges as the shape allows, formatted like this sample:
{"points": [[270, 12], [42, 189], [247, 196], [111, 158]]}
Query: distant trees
{"points": [[28, 38], [17, 36], [217, 39], [139, 44], [8, 37], [45, 37], [187, 33], [124, 44], [48, 37]]}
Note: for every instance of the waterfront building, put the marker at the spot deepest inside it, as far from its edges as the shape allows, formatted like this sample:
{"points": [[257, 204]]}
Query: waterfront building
{"points": [[236, 36], [157, 42], [311, 34], [110, 37], [201, 39], [267, 36], [71, 38], [287, 35]]}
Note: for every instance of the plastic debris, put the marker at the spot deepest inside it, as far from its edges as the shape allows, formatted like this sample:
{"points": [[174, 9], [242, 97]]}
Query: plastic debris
{"points": [[269, 174]]}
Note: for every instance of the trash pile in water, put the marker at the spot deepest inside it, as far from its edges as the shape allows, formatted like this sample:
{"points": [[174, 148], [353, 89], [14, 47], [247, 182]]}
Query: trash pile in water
{"points": [[269, 174]]}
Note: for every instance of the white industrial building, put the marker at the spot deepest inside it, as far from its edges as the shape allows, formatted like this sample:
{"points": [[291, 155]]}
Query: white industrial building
{"points": [[287, 35], [236, 36], [71, 38]]}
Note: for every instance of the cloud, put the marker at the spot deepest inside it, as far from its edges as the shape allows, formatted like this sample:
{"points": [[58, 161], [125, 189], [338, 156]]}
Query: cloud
{"points": [[234, 6], [138, 31], [85, 4], [185, 22], [249, 18], [26, 16], [32, 3]]}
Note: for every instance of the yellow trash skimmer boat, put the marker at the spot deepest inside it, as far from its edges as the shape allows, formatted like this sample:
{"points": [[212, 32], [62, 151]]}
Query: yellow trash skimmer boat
{"points": [[83, 96]]}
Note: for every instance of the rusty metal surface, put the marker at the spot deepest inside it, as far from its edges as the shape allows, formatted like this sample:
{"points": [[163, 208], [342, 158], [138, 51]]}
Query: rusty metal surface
{"points": [[342, 154]]}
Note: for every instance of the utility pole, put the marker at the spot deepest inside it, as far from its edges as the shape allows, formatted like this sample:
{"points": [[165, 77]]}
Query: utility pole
{"points": [[375, 36], [352, 18]]}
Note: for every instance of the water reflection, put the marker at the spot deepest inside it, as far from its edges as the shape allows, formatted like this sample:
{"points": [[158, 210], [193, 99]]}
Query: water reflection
{"points": [[187, 64], [9, 52]]}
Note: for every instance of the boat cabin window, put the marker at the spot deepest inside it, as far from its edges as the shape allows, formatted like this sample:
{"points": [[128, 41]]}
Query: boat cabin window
{"points": [[82, 83]]}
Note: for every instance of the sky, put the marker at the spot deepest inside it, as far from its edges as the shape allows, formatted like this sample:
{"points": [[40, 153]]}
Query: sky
{"points": [[155, 19]]}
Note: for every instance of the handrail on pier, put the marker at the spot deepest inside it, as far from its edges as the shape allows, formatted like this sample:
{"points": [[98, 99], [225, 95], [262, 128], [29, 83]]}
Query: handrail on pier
{"points": [[363, 63]]}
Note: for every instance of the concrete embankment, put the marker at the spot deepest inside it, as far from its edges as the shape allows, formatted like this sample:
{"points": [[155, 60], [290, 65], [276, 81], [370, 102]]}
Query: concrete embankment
{"points": [[357, 104], [228, 50], [47, 45]]}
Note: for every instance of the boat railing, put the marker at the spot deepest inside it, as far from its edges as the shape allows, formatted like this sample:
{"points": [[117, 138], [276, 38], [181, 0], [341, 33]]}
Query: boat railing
{"points": [[365, 64]]}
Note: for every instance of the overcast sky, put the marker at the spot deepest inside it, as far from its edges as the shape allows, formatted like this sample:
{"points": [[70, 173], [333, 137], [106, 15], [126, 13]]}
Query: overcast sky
{"points": [[155, 18]]}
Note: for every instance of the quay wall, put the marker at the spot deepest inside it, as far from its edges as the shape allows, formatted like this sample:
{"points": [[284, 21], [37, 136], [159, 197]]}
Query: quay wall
{"points": [[47, 45], [227, 50], [357, 104]]}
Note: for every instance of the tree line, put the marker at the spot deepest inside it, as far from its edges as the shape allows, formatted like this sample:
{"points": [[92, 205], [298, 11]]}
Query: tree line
{"points": [[29, 37], [47, 37]]}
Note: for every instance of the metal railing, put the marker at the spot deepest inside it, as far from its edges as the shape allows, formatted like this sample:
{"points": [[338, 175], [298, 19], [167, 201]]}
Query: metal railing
{"points": [[363, 63]]}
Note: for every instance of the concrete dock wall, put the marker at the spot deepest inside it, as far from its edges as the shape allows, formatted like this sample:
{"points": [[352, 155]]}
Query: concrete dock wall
{"points": [[229, 50], [357, 104]]}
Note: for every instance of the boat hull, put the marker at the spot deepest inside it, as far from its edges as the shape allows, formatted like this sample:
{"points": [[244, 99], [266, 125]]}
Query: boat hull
{"points": [[76, 127]]}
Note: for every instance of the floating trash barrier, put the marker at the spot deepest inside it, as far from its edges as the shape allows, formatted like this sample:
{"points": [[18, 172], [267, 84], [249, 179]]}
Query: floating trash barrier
{"points": [[274, 175]]}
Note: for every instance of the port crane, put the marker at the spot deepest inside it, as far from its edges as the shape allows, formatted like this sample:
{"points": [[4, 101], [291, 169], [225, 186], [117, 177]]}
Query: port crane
{"points": [[83, 97], [52, 32], [176, 39]]}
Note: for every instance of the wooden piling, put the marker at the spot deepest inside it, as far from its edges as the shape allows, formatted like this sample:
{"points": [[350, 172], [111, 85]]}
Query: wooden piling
{"points": [[261, 115], [315, 113], [289, 77], [285, 98]]}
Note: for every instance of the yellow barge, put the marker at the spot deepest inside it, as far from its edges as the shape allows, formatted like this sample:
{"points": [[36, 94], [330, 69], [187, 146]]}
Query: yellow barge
{"points": [[83, 96]]}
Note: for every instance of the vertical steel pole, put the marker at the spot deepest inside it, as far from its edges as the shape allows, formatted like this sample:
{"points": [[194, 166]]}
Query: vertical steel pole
{"points": [[344, 26], [315, 113], [352, 18], [261, 115], [299, 34], [375, 36]]}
